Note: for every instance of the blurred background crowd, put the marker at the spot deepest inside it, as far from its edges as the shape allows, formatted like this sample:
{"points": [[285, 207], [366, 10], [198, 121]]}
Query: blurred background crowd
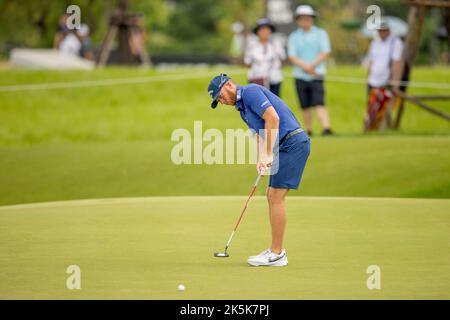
{"points": [[174, 30]]}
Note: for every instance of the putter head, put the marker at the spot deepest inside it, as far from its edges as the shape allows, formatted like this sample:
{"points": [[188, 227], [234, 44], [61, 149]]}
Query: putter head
{"points": [[221, 255]]}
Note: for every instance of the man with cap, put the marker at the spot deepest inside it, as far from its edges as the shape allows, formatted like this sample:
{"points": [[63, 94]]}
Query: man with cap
{"points": [[265, 57], [308, 48], [272, 121], [385, 53]]}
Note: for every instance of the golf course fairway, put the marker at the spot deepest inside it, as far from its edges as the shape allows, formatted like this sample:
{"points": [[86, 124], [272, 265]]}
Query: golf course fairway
{"points": [[143, 248]]}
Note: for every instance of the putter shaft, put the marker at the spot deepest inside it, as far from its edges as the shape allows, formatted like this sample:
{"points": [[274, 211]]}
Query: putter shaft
{"points": [[242, 212]]}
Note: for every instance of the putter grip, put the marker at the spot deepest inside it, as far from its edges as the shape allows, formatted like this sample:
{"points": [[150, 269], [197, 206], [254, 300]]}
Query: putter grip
{"points": [[257, 180]]}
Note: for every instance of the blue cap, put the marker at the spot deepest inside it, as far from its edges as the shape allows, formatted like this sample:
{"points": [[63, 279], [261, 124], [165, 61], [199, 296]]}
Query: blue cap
{"points": [[215, 86]]}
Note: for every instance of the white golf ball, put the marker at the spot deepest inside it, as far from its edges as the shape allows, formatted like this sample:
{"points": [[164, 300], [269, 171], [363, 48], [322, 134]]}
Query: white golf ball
{"points": [[180, 287]]}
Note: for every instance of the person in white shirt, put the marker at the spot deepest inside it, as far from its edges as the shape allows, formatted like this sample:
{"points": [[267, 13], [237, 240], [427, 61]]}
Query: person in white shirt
{"points": [[265, 58], [70, 45], [385, 53]]}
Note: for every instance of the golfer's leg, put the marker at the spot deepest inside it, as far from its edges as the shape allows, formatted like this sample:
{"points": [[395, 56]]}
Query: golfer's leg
{"points": [[268, 201], [322, 114], [278, 217]]}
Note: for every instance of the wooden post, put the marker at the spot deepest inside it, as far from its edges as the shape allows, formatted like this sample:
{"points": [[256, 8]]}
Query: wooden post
{"points": [[398, 118], [124, 55], [421, 104], [121, 24], [415, 24], [106, 46]]}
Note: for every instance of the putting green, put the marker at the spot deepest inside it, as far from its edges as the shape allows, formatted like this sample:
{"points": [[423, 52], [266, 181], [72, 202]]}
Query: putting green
{"points": [[143, 248]]}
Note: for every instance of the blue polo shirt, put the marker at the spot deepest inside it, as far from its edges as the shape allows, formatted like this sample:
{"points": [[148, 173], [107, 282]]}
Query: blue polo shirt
{"points": [[252, 100], [307, 46]]}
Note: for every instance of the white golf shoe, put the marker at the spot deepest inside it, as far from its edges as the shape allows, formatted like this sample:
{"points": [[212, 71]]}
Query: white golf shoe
{"points": [[268, 258], [267, 251]]}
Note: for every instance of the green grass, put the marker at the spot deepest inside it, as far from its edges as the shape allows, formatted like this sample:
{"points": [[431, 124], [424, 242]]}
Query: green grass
{"points": [[144, 248], [357, 166], [114, 141], [151, 111]]}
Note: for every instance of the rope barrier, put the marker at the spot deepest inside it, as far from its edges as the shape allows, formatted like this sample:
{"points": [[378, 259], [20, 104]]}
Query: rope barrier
{"points": [[175, 77]]}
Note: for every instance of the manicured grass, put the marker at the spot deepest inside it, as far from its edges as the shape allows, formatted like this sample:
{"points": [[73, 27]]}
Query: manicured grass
{"points": [[114, 141], [144, 248], [151, 111], [371, 166]]}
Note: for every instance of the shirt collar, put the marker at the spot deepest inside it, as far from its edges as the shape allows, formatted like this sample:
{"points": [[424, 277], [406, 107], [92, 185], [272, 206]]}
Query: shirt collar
{"points": [[239, 105], [388, 39], [313, 28]]}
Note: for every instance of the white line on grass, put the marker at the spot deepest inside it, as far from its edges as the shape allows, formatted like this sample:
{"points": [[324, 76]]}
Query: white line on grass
{"points": [[430, 85], [106, 82], [175, 77], [135, 200]]}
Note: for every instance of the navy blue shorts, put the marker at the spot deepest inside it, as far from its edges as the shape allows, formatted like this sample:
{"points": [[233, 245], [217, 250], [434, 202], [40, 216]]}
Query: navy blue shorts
{"points": [[310, 93], [290, 162]]}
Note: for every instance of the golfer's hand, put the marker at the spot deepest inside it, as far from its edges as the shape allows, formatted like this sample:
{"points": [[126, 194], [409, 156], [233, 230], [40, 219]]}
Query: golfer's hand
{"points": [[264, 164], [261, 167]]}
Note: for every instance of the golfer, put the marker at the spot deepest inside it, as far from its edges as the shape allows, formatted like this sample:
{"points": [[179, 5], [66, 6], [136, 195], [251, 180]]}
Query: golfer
{"points": [[266, 113]]}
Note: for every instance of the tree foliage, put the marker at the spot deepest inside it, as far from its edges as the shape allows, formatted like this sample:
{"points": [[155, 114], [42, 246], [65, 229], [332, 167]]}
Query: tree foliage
{"points": [[188, 26]]}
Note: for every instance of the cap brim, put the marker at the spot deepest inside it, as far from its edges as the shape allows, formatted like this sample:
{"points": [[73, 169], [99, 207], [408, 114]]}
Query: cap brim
{"points": [[215, 102], [305, 15]]}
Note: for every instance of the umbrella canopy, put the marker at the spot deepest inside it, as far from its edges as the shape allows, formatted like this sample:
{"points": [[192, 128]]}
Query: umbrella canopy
{"points": [[398, 27]]}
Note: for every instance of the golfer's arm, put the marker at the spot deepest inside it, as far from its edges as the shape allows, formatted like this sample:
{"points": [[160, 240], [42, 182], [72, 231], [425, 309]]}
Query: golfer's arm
{"points": [[272, 123], [258, 141], [320, 58]]}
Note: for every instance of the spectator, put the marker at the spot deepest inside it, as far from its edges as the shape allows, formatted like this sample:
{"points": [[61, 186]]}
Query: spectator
{"points": [[70, 45], [385, 54], [308, 48], [86, 45], [265, 58], [66, 41], [138, 39], [61, 32]]}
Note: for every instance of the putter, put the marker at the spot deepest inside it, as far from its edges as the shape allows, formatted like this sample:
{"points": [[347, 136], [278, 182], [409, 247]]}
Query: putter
{"points": [[225, 253]]}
